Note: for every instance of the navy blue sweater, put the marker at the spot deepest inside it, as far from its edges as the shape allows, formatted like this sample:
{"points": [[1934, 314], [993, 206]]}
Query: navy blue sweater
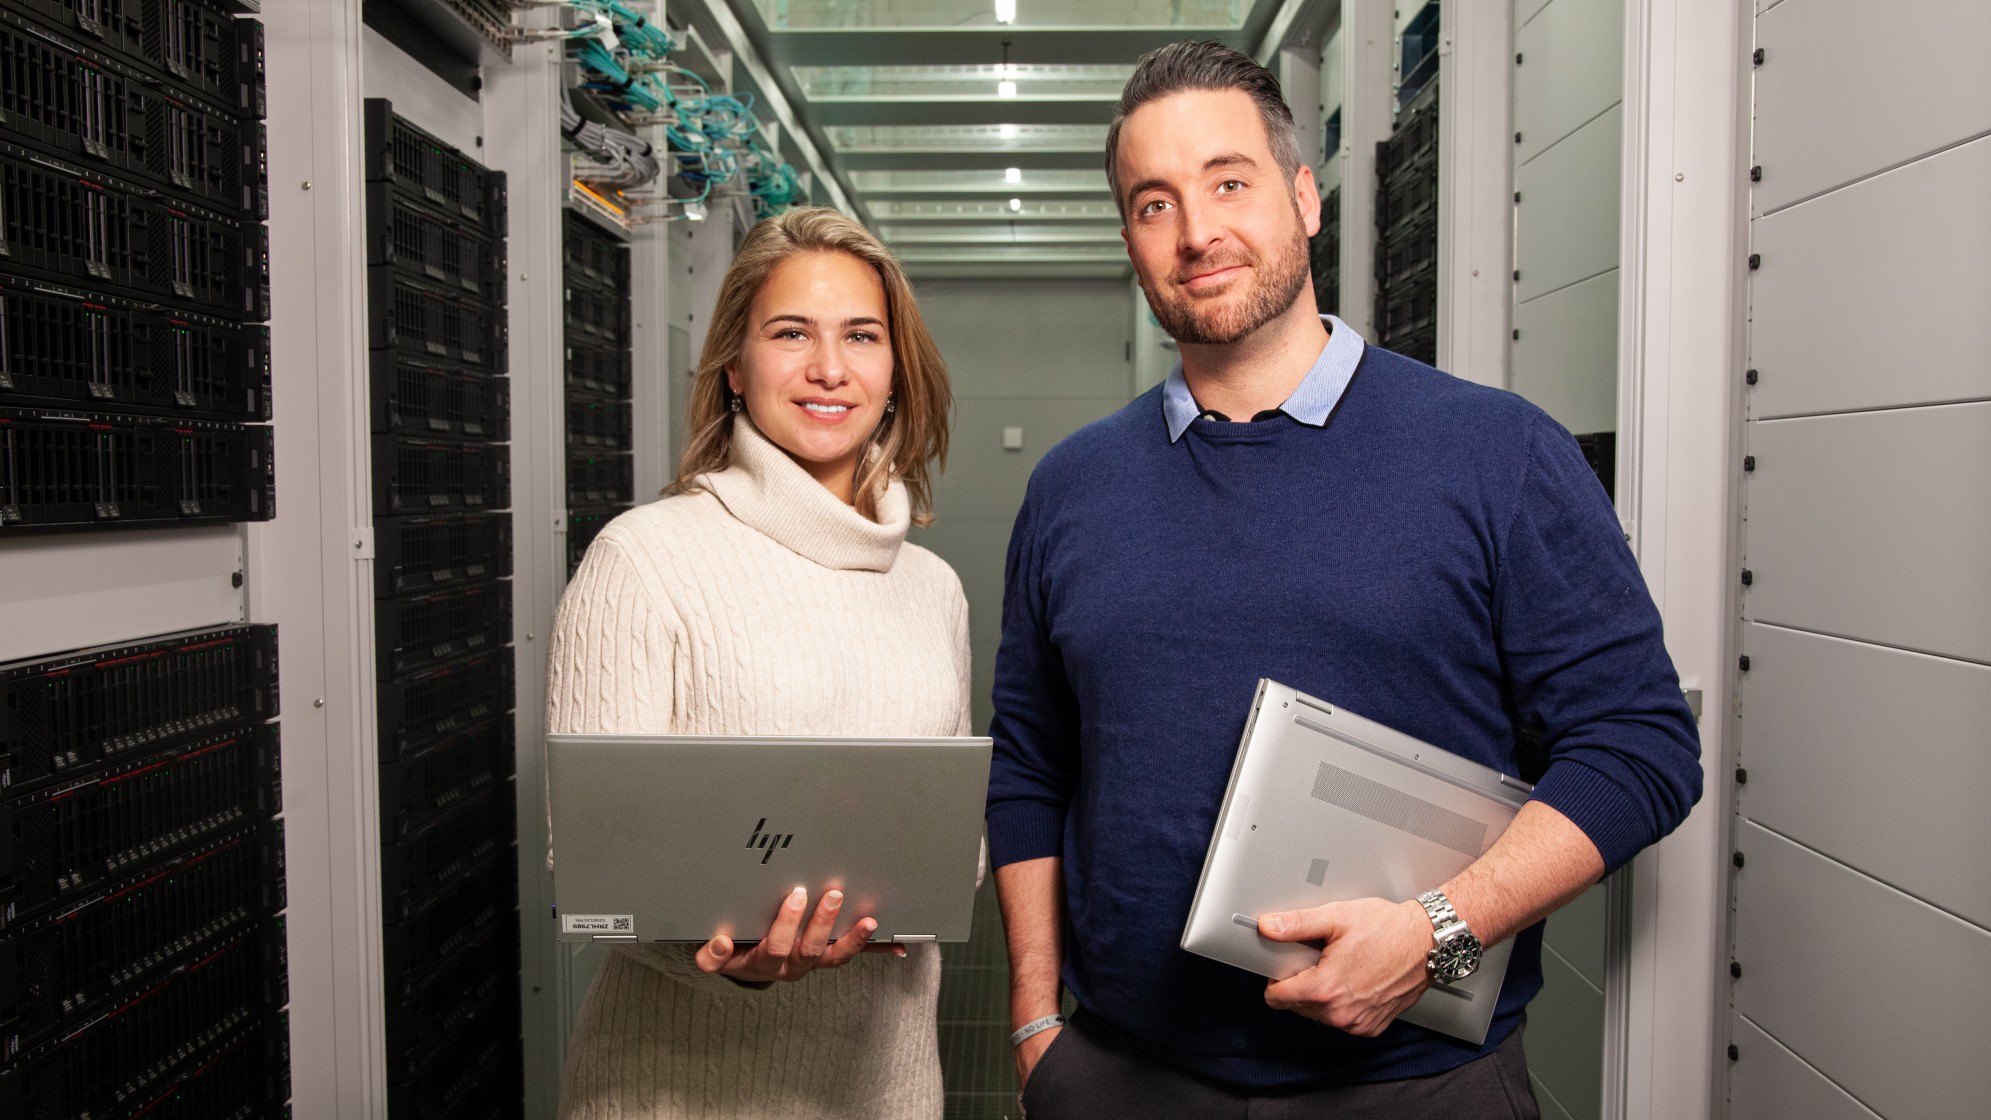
{"points": [[1439, 558]]}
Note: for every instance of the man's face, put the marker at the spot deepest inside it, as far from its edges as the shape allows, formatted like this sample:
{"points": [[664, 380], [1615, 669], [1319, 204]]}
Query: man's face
{"points": [[1214, 228]]}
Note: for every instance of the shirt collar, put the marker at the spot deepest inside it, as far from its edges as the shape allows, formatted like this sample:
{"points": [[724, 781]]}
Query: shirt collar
{"points": [[1311, 404]]}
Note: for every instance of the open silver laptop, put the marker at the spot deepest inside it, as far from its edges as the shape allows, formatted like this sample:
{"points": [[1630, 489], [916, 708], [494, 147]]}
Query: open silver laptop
{"points": [[679, 837], [1325, 806]]}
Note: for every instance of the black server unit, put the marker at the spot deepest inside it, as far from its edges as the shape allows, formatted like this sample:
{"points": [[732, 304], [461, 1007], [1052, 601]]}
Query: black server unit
{"points": [[142, 881], [600, 424], [1324, 255], [443, 624], [134, 266], [1407, 230]]}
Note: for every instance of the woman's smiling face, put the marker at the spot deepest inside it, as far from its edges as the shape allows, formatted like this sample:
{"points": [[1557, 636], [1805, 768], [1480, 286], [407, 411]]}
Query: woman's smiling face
{"points": [[815, 371]]}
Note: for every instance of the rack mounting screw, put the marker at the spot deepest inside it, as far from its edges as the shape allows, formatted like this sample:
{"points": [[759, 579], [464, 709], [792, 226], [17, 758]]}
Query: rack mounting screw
{"points": [[1741, 776], [1750, 377], [1735, 969], [1517, 58], [1748, 577], [318, 703], [1743, 663], [236, 579], [1757, 56], [1736, 859], [305, 185], [1734, 1052], [1756, 173], [1749, 462], [1517, 138], [1755, 261]]}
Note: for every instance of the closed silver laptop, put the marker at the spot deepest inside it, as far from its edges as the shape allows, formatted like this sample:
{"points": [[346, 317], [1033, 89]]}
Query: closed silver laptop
{"points": [[1326, 806], [679, 837]]}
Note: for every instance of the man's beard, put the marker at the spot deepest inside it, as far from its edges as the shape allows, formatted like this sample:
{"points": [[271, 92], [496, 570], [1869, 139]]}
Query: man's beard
{"points": [[1275, 287]]}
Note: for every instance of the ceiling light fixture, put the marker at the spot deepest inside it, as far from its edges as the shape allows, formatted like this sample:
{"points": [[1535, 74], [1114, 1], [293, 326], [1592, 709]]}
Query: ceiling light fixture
{"points": [[1006, 131], [1005, 11], [1015, 204], [1012, 175], [1005, 88]]}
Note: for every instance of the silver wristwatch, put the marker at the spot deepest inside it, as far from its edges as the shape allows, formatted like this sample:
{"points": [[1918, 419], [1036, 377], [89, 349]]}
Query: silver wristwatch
{"points": [[1456, 954]]}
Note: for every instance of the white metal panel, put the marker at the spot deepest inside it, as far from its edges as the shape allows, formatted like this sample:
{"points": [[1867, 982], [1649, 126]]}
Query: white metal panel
{"points": [[1475, 184], [1771, 1083], [1566, 353], [984, 479], [1885, 995], [1525, 10], [1566, 224], [1876, 526], [1577, 934], [70, 590], [1873, 756], [1847, 89], [419, 94], [1035, 340], [1874, 295], [1572, 69]]}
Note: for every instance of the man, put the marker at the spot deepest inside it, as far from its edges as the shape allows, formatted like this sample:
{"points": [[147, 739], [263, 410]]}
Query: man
{"points": [[1295, 504]]}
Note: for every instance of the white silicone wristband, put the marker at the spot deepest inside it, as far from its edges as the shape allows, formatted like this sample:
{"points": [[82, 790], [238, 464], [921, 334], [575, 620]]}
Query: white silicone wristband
{"points": [[1035, 1026]]}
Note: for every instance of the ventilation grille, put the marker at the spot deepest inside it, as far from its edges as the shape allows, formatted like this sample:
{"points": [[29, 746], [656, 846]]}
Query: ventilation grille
{"points": [[1399, 810]]}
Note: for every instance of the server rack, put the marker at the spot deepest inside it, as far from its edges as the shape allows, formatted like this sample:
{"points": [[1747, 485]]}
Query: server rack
{"points": [[443, 621], [1406, 262], [600, 426], [141, 879], [142, 941]]}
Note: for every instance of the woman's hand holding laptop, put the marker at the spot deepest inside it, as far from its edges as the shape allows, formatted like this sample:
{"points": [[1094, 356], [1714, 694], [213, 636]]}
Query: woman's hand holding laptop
{"points": [[790, 951]]}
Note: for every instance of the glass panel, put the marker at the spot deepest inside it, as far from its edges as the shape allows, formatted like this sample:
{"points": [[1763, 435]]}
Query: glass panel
{"points": [[962, 81], [979, 182], [1046, 210], [783, 15], [967, 138]]}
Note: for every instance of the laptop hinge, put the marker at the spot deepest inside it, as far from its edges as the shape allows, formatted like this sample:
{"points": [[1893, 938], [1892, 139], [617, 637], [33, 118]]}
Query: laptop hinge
{"points": [[913, 938], [614, 937]]}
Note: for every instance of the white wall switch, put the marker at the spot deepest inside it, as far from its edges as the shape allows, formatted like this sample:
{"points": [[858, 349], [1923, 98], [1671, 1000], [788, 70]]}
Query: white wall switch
{"points": [[1012, 439]]}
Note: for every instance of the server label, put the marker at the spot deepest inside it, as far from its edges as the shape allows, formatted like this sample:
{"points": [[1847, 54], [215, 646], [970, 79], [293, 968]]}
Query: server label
{"points": [[597, 923]]}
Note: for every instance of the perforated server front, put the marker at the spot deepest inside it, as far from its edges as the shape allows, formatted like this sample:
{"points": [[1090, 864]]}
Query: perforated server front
{"points": [[443, 624], [600, 356], [1407, 230], [142, 942], [134, 266]]}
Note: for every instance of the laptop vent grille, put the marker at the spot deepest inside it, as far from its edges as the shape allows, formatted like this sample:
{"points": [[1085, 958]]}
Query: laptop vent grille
{"points": [[1399, 810]]}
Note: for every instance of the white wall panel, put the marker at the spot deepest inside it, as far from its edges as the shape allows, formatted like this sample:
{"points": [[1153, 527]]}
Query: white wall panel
{"points": [[1875, 295], [1567, 219], [1566, 358], [1848, 88], [1572, 69], [983, 478], [1039, 340], [1876, 526], [1771, 1083], [1525, 10], [1886, 995], [1873, 756], [64, 591]]}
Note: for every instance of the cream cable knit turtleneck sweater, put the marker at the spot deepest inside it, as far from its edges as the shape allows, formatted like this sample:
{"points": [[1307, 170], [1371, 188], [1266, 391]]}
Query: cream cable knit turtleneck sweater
{"points": [[761, 605]]}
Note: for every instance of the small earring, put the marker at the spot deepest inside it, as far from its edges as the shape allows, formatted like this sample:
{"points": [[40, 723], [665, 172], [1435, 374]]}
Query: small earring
{"points": [[891, 405], [734, 404]]}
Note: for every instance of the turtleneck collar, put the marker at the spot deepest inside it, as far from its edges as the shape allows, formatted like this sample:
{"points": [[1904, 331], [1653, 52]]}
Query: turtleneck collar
{"points": [[771, 492]]}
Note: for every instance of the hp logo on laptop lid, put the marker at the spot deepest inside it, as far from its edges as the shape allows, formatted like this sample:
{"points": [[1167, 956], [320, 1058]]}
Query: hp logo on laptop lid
{"points": [[768, 841]]}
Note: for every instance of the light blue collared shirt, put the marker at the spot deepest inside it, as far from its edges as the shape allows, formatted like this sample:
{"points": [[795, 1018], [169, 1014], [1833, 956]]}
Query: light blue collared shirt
{"points": [[1311, 404]]}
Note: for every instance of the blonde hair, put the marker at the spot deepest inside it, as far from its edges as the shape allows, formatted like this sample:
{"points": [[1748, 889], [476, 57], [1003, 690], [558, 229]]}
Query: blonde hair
{"points": [[909, 444]]}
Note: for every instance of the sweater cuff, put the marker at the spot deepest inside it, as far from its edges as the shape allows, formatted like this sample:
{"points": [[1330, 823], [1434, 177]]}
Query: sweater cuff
{"points": [[1023, 830], [1615, 820]]}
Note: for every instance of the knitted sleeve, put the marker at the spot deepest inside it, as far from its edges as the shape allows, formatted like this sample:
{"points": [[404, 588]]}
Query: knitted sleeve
{"points": [[1035, 728], [611, 671], [1587, 661]]}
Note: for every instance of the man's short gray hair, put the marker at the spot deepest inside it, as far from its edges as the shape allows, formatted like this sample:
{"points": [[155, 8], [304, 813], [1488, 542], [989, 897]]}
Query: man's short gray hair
{"points": [[1187, 65]]}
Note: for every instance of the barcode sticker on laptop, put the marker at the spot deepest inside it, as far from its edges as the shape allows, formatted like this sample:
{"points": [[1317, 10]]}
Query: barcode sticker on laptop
{"points": [[597, 923]]}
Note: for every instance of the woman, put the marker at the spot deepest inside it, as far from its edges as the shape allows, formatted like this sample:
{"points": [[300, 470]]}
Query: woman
{"points": [[771, 592]]}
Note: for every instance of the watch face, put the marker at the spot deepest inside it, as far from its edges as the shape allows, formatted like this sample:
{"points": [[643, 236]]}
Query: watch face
{"points": [[1456, 959]]}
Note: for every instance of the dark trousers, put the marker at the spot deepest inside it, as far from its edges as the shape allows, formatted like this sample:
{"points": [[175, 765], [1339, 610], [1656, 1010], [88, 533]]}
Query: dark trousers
{"points": [[1091, 1072]]}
